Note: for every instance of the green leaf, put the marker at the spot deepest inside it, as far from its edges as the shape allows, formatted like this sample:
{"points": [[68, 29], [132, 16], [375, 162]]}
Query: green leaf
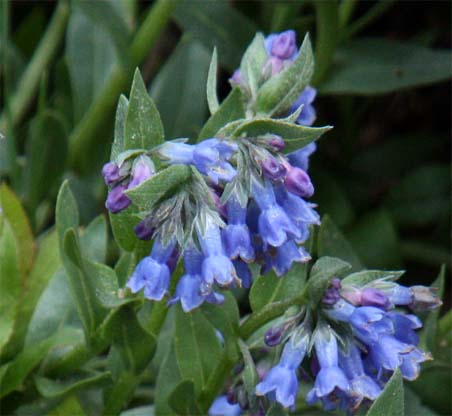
{"points": [[366, 276], [421, 197], [82, 285], [151, 190], [331, 242], [132, 350], [105, 15], [253, 62], [231, 109], [122, 225], [434, 385], [375, 240], [13, 374], [282, 90], [93, 240], [225, 318], [168, 378], [323, 270], [295, 136], [91, 65], [46, 157], [429, 337], [13, 212], [183, 399], [143, 128], [10, 282], [414, 406], [45, 266], [55, 309], [391, 400], [211, 89], [56, 388], [175, 95], [66, 211], [118, 145], [135, 346], [383, 66], [271, 288], [196, 346], [211, 24], [69, 406]]}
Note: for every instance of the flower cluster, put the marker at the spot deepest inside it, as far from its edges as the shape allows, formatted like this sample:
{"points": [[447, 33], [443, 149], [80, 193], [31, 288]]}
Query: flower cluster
{"points": [[123, 176], [282, 50], [245, 203], [362, 336]]}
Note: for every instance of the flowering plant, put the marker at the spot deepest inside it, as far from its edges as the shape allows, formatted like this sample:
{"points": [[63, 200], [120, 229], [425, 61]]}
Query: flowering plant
{"points": [[214, 246]]}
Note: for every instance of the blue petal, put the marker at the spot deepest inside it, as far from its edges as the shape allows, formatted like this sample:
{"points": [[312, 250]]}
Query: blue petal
{"points": [[219, 269], [221, 407]]}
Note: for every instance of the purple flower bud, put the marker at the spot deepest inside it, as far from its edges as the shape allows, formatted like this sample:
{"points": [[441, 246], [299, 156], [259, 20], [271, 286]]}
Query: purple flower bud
{"points": [[231, 397], [143, 169], [110, 172], [298, 182], [272, 169], [284, 45], [375, 297], [273, 337], [173, 259], [236, 77], [277, 143], [143, 231], [117, 200]]}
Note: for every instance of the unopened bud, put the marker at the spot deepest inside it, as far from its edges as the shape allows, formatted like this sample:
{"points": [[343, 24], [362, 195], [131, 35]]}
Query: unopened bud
{"points": [[273, 336], [297, 182]]}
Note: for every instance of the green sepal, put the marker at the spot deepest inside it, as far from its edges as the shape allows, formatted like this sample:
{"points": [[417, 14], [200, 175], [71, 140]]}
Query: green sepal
{"points": [[282, 90], [323, 270]]}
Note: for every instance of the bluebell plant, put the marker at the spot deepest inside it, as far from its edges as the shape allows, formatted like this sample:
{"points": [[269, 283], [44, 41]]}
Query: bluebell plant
{"points": [[243, 209], [247, 203], [355, 339]]}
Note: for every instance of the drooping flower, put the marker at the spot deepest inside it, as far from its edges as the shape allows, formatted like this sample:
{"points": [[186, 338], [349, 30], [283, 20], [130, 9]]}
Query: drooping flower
{"points": [[236, 236], [152, 272], [282, 379], [189, 287], [216, 266]]}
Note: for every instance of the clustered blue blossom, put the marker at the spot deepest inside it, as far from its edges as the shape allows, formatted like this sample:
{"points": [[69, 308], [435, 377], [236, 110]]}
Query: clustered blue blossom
{"points": [[351, 365], [247, 202], [265, 221]]}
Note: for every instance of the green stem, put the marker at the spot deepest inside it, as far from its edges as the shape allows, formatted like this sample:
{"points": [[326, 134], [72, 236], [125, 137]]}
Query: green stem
{"points": [[359, 24], [267, 313], [326, 42], [346, 9], [29, 82], [216, 382], [85, 132]]}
